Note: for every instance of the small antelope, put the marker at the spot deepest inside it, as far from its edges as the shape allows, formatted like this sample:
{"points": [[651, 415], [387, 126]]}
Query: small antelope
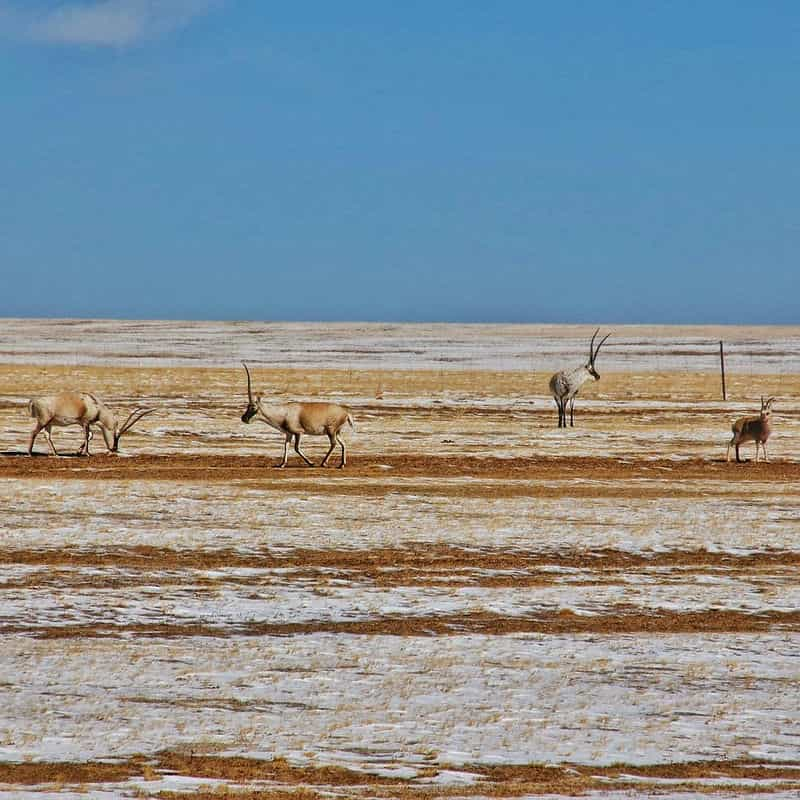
{"points": [[70, 408], [296, 419], [565, 385], [752, 429]]}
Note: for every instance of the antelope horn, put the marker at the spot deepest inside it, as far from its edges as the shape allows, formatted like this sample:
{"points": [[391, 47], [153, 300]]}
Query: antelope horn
{"points": [[591, 346], [597, 349], [133, 418], [249, 385]]}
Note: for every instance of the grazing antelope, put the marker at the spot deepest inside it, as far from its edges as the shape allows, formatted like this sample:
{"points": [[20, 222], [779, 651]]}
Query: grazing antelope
{"points": [[752, 429], [296, 419], [565, 385], [70, 408]]}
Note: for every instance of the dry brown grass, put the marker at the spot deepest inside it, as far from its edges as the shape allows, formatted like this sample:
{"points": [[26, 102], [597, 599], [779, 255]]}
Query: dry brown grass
{"points": [[386, 469], [380, 566], [284, 781], [615, 620], [228, 387]]}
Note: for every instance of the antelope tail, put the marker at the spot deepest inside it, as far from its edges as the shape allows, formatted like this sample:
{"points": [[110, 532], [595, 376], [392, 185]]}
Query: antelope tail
{"points": [[32, 408]]}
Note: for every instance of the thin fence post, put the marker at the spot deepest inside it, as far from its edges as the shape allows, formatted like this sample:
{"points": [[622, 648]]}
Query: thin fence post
{"points": [[722, 369]]}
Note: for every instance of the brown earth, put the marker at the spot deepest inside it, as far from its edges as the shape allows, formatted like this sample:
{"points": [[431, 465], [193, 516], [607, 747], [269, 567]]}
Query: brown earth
{"points": [[428, 565], [280, 779], [406, 563], [617, 620], [387, 468]]}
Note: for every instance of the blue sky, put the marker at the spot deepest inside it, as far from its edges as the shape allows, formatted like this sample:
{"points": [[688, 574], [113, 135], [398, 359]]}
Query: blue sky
{"points": [[439, 160]]}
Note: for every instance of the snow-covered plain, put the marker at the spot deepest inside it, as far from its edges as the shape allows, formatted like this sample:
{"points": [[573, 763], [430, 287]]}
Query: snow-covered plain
{"points": [[369, 346], [383, 701], [399, 704], [391, 701]]}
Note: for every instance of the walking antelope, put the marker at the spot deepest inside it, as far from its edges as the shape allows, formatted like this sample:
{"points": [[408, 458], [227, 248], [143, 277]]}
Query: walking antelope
{"points": [[752, 429], [70, 408], [296, 419], [564, 385]]}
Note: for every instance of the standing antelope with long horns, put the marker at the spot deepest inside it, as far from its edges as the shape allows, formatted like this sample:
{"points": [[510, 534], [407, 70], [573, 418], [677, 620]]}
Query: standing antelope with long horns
{"points": [[70, 408], [296, 419], [752, 429], [564, 385]]}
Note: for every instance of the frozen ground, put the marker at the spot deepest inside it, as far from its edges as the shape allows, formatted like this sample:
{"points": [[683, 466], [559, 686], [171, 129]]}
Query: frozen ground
{"points": [[381, 346], [393, 702], [421, 626]]}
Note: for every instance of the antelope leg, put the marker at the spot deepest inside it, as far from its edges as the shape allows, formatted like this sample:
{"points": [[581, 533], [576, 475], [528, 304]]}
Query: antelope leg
{"points": [[87, 435], [344, 450], [50, 440], [332, 439], [285, 451], [34, 434], [298, 451]]}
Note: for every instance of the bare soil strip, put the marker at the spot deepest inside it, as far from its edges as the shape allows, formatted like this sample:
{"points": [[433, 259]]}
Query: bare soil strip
{"points": [[280, 777], [428, 564], [205, 468], [426, 557], [617, 620]]}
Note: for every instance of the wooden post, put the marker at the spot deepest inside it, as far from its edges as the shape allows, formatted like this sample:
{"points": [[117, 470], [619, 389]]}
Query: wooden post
{"points": [[722, 370]]}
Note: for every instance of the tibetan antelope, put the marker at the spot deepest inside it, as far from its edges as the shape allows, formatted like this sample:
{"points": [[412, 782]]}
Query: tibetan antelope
{"points": [[752, 429], [70, 408], [296, 419], [564, 385]]}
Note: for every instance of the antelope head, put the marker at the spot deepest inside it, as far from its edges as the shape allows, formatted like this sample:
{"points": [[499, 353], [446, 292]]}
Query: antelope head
{"points": [[593, 351], [766, 406], [119, 430], [252, 405]]}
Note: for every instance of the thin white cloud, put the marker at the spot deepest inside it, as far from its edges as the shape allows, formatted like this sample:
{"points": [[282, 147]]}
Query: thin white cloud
{"points": [[109, 23]]}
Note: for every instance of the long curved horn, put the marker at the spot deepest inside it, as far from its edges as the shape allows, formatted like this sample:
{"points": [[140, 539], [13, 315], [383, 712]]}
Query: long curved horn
{"points": [[591, 346], [597, 349], [133, 418], [249, 384]]}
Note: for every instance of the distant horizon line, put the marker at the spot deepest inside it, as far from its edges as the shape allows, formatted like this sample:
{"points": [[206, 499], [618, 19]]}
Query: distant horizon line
{"points": [[311, 321]]}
